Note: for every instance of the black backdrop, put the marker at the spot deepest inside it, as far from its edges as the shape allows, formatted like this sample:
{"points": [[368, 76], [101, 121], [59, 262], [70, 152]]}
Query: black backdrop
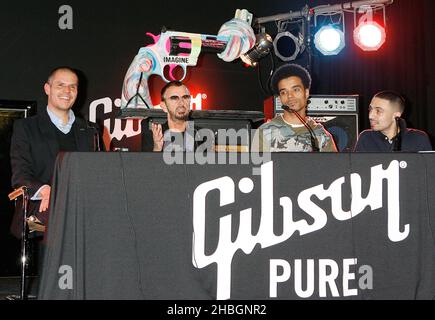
{"points": [[107, 34]]}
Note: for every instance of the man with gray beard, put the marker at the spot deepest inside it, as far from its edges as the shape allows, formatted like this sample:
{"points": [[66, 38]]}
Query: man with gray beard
{"points": [[175, 101]]}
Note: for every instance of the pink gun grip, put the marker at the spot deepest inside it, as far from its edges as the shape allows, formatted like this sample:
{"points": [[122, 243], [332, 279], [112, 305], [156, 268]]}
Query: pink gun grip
{"points": [[146, 66]]}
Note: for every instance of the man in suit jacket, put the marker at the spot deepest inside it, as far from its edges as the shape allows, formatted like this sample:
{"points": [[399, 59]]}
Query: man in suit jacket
{"points": [[37, 140]]}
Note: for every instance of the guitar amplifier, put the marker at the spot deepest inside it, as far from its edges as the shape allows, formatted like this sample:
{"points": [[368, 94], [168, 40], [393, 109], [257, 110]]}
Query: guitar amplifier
{"points": [[231, 128]]}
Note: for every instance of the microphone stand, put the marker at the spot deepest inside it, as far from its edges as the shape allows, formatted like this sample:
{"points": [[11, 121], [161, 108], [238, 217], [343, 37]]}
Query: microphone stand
{"points": [[96, 136], [137, 94], [397, 139], [22, 191], [96, 140], [312, 135]]}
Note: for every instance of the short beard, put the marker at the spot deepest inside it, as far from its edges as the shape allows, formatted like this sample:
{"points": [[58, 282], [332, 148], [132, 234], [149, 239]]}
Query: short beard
{"points": [[184, 118], [176, 117]]}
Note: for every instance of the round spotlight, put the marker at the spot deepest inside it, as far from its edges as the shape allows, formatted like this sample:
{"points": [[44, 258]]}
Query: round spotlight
{"points": [[329, 40], [369, 36], [287, 46]]}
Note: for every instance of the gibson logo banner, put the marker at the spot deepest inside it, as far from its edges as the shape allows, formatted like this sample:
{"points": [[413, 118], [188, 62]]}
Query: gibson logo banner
{"points": [[246, 240]]}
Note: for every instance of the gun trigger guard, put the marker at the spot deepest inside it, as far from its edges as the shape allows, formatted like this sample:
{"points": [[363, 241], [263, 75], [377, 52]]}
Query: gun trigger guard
{"points": [[184, 72], [171, 69]]}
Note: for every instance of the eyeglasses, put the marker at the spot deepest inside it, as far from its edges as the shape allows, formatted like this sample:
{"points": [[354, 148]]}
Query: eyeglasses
{"points": [[186, 97]]}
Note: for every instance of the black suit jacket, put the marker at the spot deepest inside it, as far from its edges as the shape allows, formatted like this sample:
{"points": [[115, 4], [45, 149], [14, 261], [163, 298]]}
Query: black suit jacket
{"points": [[34, 148]]}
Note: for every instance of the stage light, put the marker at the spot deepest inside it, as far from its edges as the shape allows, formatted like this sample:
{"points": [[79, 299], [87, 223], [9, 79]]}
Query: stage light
{"points": [[369, 36], [262, 47], [329, 40], [287, 46]]}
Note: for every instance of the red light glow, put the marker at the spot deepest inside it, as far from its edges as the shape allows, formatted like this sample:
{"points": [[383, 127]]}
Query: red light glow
{"points": [[369, 36]]}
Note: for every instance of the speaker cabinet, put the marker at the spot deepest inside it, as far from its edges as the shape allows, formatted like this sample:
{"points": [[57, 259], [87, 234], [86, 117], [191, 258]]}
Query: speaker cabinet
{"points": [[343, 127], [339, 115]]}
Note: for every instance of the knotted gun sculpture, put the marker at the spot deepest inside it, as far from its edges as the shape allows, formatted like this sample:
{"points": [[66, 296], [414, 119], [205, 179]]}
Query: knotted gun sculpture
{"points": [[172, 49]]}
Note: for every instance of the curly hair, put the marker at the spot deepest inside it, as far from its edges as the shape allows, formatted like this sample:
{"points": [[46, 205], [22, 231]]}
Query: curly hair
{"points": [[290, 70]]}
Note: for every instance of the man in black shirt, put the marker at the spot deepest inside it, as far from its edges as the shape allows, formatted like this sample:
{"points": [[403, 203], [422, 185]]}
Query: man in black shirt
{"points": [[175, 101], [388, 131]]}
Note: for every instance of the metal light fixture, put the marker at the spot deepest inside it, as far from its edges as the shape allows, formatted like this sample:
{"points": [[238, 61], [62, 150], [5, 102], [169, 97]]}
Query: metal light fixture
{"points": [[287, 37], [368, 35], [287, 46], [329, 40], [262, 47]]}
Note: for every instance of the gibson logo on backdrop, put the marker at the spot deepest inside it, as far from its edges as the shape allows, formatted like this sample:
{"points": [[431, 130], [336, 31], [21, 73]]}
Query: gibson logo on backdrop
{"points": [[246, 240]]}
